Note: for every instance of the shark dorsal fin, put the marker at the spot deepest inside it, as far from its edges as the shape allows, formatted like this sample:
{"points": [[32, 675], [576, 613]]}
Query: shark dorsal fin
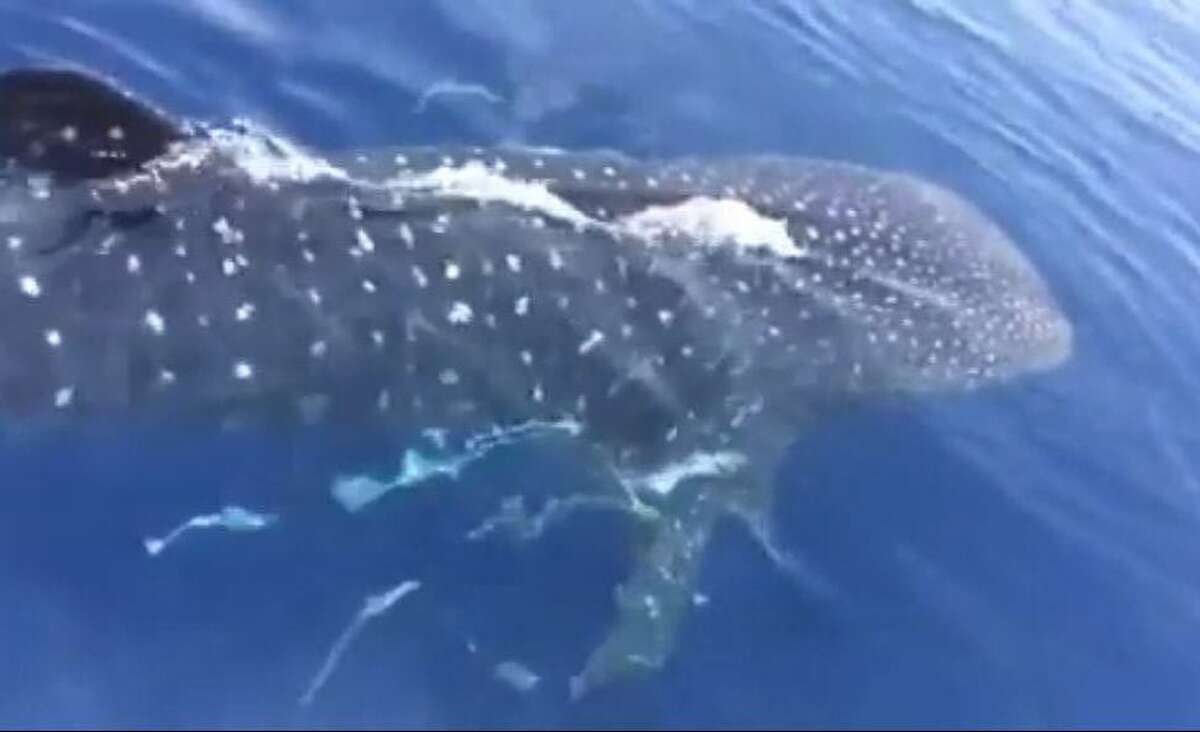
{"points": [[75, 126]]}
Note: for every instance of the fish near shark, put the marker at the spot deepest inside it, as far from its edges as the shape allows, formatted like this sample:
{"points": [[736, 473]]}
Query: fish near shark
{"points": [[681, 319]]}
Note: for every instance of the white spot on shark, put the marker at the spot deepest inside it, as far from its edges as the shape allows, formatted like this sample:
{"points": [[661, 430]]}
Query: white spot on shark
{"points": [[226, 232], [365, 243], [406, 235], [595, 338], [30, 286], [244, 312], [460, 313], [64, 396], [154, 321]]}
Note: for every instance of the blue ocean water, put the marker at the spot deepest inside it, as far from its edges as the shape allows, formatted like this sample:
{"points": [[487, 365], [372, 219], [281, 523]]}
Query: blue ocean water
{"points": [[1024, 556]]}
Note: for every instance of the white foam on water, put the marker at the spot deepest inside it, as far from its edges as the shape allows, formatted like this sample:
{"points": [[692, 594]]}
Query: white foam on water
{"points": [[713, 222], [452, 87], [231, 518], [268, 158], [666, 479], [355, 492], [477, 181], [373, 606], [264, 157], [514, 519], [516, 675]]}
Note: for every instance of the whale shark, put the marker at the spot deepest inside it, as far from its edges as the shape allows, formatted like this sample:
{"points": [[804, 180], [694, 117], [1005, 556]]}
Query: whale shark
{"points": [[680, 320]]}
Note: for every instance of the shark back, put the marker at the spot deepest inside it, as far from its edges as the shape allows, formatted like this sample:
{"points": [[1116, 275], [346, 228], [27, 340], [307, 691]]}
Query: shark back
{"points": [[234, 277]]}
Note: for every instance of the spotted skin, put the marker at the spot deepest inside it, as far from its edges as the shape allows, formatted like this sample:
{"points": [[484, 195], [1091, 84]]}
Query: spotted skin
{"points": [[238, 297], [670, 310]]}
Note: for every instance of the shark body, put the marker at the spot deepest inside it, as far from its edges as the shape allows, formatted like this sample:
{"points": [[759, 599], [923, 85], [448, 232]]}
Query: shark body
{"points": [[665, 310]]}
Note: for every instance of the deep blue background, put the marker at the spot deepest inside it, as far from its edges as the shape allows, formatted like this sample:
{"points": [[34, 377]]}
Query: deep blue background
{"points": [[1025, 556]]}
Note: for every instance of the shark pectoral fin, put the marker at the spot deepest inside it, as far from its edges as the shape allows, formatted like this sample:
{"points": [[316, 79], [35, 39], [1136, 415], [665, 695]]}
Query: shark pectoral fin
{"points": [[766, 440], [652, 602], [77, 127], [688, 498]]}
